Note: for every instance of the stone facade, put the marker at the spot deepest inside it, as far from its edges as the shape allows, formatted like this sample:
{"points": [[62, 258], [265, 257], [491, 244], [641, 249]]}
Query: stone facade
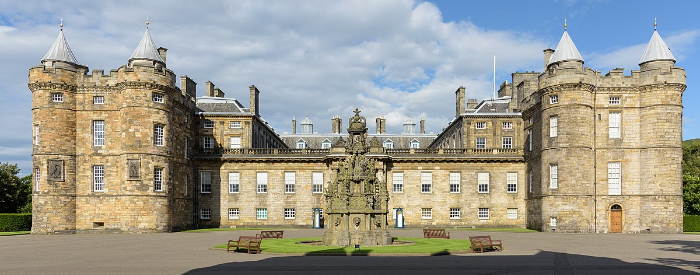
{"points": [[565, 150]]}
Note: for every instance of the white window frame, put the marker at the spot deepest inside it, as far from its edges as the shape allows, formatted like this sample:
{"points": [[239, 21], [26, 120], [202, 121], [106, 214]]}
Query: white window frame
{"points": [[426, 213], [455, 182], [317, 182], [529, 180], [415, 145], [234, 124], [208, 142], [234, 213], [512, 182], [397, 182], [261, 182], [426, 182], [205, 182], [37, 178], [326, 145], [186, 147], [512, 213], [98, 132], [158, 134], [507, 125], [455, 213], [289, 213], [480, 143], [98, 99], [98, 178], [553, 176], [483, 183], [507, 142], [614, 178], [480, 125], [57, 97], [208, 124], [205, 214], [615, 100], [484, 213], [158, 97], [36, 134], [529, 137], [553, 99], [301, 144], [261, 213], [553, 221], [235, 142], [289, 182], [158, 179], [614, 124], [234, 182], [553, 126], [388, 144]]}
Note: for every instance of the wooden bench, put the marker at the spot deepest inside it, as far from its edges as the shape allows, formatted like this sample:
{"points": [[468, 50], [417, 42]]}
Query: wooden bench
{"points": [[271, 234], [435, 233], [481, 242], [248, 242]]}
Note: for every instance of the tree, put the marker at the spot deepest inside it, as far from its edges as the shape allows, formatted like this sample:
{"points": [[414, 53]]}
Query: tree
{"points": [[15, 192], [691, 177]]}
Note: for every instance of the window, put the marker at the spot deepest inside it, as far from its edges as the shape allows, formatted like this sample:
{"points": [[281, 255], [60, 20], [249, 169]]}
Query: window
{"points": [[326, 144], [158, 98], [388, 144], [235, 143], [398, 182], [553, 221], [158, 179], [235, 124], [481, 125], [98, 178], [208, 142], [98, 100], [483, 182], [289, 214], [261, 213], [426, 182], [529, 137], [289, 181], [57, 97], [184, 150], [553, 126], [415, 144], [483, 213], [455, 214], [426, 213], [262, 183], [614, 100], [205, 181], [454, 182], [614, 178], [553, 99], [512, 213], [158, 135], [205, 214], [98, 132], [208, 124], [614, 124], [529, 120], [317, 179], [234, 214], [553, 176], [507, 142], [507, 125], [234, 183], [37, 178], [301, 144], [480, 142], [186, 177], [36, 134], [529, 180], [512, 182]]}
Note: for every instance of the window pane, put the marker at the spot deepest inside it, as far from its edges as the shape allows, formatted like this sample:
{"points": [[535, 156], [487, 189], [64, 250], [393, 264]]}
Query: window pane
{"points": [[483, 182], [317, 182], [398, 182], [454, 182], [233, 182], [426, 180]]}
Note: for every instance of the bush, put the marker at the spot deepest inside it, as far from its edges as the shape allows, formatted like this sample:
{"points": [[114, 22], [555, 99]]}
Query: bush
{"points": [[691, 223], [15, 222]]}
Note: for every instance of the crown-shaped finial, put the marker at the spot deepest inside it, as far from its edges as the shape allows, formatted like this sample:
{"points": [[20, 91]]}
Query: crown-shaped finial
{"points": [[565, 25], [61, 24], [654, 23]]}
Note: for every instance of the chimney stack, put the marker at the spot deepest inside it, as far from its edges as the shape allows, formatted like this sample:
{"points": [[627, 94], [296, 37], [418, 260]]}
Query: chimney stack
{"points": [[547, 55], [218, 92], [422, 125], [471, 104], [460, 93], [294, 125], [210, 89], [336, 124], [163, 52], [188, 86], [255, 100]]}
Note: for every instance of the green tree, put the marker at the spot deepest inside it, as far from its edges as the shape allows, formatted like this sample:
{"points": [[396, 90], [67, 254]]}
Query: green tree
{"points": [[691, 177], [15, 192]]}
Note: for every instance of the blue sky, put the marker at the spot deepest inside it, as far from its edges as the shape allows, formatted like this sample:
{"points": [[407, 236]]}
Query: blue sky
{"points": [[389, 58]]}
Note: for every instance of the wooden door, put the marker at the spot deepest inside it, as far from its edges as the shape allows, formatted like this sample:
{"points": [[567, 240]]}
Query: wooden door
{"points": [[615, 221]]}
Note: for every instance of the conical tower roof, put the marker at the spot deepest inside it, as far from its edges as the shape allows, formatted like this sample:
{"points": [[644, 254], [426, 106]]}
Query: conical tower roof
{"points": [[566, 50], [656, 50], [146, 49], [60, 51]]}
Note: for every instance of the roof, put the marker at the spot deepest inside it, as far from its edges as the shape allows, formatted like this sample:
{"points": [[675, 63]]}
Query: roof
{"points": [[656, 50], [306, 120], [219, 105], [60, 51], [494, 106], [146, 49], [565, 51]]}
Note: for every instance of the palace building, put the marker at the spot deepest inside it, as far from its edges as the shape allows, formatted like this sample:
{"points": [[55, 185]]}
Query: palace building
{"points": [[564, 150]]}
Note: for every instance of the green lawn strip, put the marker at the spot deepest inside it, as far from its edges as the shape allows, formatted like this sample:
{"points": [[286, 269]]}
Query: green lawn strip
{"points": [[493, 229], [229, 229], [420, 246], [14, 233], [691, 233]]}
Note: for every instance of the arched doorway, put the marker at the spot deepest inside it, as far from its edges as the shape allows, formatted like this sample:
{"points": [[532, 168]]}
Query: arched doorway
{"points": [[616, 218]]}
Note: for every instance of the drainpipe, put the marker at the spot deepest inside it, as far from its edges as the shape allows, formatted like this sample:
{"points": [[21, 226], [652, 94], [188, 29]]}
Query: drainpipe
{"points": [[595, 155]]}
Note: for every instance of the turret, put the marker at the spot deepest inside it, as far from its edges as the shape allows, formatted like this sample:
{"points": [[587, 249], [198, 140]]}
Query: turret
{"points": [[146, 52]]}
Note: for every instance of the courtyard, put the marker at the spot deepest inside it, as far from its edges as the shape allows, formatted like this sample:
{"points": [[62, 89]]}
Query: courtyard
{"points": [[192, 253]]}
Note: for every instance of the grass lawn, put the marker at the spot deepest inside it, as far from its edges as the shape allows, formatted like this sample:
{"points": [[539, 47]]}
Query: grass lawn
{"points": [[14, 233], [229, 229], [420, 245], [492, 229]]}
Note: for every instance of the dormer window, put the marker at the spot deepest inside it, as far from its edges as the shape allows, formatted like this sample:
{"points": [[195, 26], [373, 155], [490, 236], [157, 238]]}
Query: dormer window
{"points": [[481, 125], [415, 144], [326, 144], [553, 99], [158, 97], [301, 144], [388, 144], [57, 97]]}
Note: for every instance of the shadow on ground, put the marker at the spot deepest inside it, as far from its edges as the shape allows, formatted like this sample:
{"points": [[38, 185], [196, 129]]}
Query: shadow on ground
{"points": [[691, 247], [544, 262]]}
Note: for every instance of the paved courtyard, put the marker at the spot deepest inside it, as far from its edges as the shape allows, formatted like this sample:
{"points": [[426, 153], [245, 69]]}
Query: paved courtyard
{"points": [[190, 253]]}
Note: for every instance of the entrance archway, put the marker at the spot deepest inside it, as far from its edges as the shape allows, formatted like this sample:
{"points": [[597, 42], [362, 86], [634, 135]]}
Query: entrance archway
{"points": [[616, 218]]}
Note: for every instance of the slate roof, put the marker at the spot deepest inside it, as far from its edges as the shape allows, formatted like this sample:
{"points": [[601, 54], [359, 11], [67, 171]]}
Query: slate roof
{"points": [[60, 51], [656, 50], [565, 51], [146, 49], [218, 105]]}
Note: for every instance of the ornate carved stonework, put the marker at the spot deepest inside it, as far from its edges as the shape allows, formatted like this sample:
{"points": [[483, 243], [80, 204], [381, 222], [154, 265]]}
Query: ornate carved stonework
{"points": [[134, 165], [357, 201], [56, 170]]}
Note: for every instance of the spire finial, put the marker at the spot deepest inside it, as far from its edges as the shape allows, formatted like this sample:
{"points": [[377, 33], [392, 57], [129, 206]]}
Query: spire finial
{"points": [[147, 23], [61, 24], [654, 23], [565, 24]]}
